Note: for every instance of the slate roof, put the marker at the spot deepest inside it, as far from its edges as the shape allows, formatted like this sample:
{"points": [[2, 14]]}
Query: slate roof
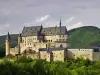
{"points": [[88, 47], [54, 30], [33, 31], [95, 49]]}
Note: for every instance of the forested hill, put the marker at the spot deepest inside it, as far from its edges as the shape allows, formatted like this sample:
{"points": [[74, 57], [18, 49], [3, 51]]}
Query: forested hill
{"points": [[79, 37], [84, 36], [3, 38]]}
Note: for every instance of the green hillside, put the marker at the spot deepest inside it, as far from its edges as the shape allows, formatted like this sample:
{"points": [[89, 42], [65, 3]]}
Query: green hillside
{"points": [[2, 43], [79, 37], [84, 36], [13, 37]]}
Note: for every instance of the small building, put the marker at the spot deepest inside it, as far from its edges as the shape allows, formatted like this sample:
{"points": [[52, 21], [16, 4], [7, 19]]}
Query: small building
{"points": [[53, 54], [91, 53]]}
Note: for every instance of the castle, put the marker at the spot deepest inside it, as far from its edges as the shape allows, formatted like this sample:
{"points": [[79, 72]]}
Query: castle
{"points": [[50, 44], [40, 43]]}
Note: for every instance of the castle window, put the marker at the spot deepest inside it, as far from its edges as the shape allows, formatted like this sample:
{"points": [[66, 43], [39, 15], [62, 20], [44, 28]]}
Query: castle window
{"points": [[63, 35], [51, 40], [46, 46], [60, 53], [34, 38], [23, 40], [61, 45], [34, 45]]}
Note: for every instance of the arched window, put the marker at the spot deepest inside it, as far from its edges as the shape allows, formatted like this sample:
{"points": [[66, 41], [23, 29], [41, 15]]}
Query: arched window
{"points": [[46, 45], [34, 45], [23, 41], [51, 40], [61, 45]]}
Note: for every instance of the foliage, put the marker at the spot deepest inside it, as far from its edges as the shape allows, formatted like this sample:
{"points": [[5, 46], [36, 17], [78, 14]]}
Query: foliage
{"points": [[41, 67]]}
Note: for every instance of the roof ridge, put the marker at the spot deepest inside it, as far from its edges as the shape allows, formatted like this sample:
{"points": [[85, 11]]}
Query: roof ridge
{"points": [[32, 26]]}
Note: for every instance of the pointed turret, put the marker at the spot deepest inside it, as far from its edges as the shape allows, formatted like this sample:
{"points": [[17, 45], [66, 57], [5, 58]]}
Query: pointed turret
{"points": [[8, 44], [60, 25], [8, 37], [41, 28], [60, 22]]}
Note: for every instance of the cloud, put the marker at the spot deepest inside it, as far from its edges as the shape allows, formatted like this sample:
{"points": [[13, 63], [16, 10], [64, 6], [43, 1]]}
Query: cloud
{"points": [[7, 25], [76, 25], [70, 19], [4, 28], [51, 23], [43, 18], [28, 23]]}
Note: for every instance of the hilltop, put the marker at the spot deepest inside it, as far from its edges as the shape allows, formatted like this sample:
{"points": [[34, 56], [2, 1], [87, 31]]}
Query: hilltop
{"points": [[84, 36]]}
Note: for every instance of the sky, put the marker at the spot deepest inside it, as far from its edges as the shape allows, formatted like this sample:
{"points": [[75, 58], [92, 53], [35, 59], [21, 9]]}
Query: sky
{"points": [[15, 14]]}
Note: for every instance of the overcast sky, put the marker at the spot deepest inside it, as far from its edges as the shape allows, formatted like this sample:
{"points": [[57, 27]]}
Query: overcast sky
{"points": [[15, 14]]}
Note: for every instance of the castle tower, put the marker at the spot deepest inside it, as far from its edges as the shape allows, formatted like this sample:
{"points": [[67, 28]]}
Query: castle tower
{"points": [[8, 44], [19, 41], [60, 25]]}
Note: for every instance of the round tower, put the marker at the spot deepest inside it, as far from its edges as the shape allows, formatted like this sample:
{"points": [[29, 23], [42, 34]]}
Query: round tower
{"points": [[19, 41], [8, 44]]}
